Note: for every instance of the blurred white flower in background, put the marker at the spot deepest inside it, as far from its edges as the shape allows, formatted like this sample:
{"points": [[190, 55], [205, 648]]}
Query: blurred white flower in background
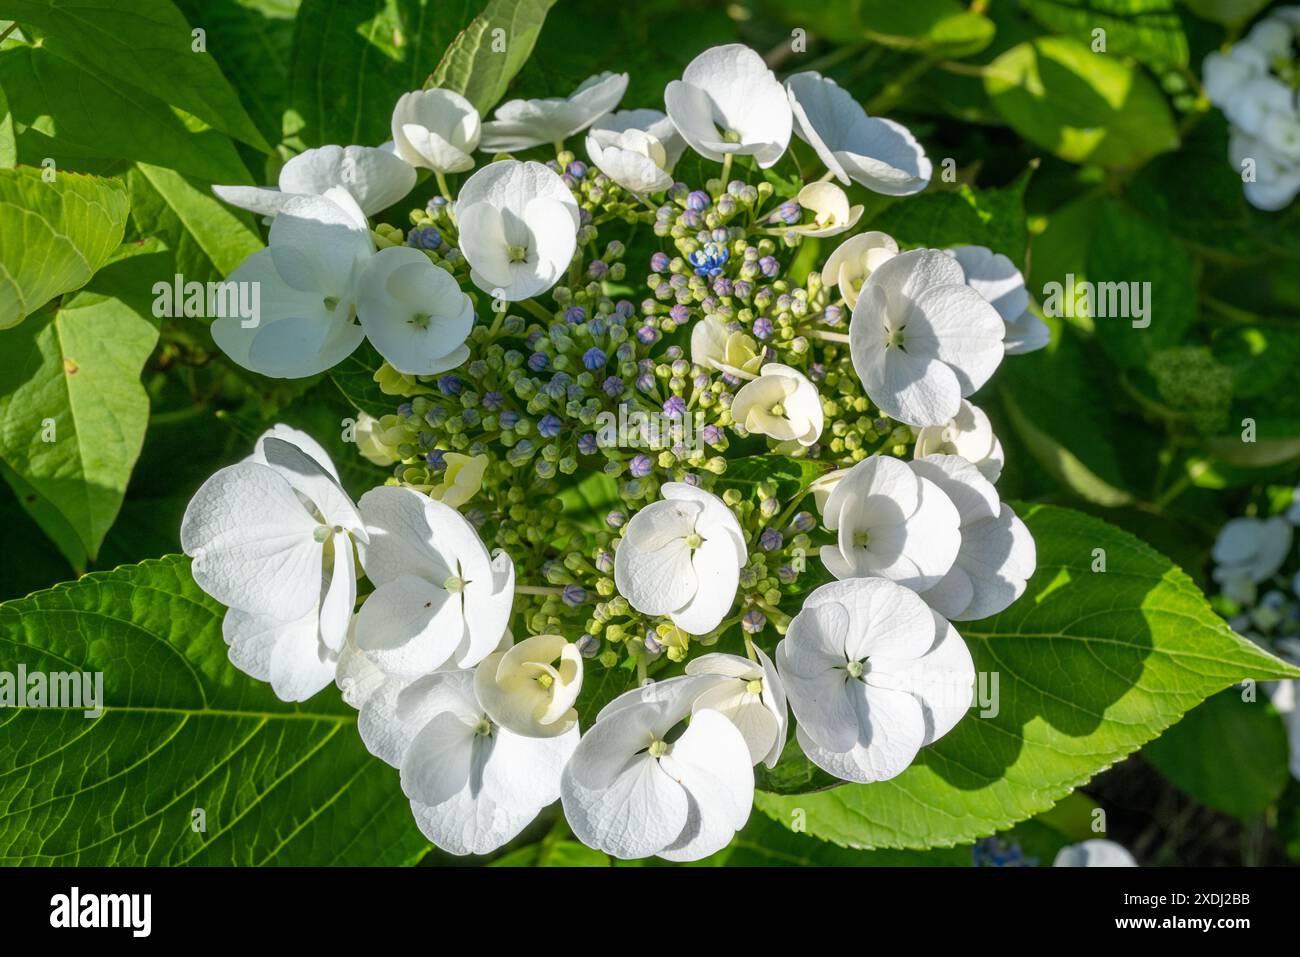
{"points": [[1097, 852]]}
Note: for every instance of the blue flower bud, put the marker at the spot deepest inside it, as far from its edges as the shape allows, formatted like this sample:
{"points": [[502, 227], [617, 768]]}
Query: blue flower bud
{"points": [[575, 314], [577, 169], [652, 643], [832, 315], [550, 426], [641, 466], [509, 419], [675, 407], [646, 382], [597, 269], [763, 327], [803, 522], [538, 361], [492, 401], [594, 358], [698, 200], [769, 265], [435, 459], [616, 519], [574, 595], [659, 262], [613, 387], [588, 645], [709, 259], [604, 561], [753, 622], [587, 443], [404, 410], [449, 385], [770, 540], [424, 237]]}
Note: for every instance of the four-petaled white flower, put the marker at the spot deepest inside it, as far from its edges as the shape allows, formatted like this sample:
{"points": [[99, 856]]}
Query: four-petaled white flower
{"points": [[655, 123], [473, 785], [872, 675], [414, 312], [921, 339], [780, 403], [436, 129], [729, 102], [376, 178], [1251, 549], [681, 557], [830, 208], [530, 688], [715, 344], [518, 228], [307, 277], [520, 124], [996, 278], [749, 694], [271, 538], [997, 554], [890, 523], [631, 792], [1097, 852], [854, 260], [880, 154], [632, 158], [968, 434], [439, 596]]}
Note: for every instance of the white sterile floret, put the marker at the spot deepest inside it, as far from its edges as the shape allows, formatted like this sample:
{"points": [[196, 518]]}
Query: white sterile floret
{"points": [[473, 785], [716, 344], [729, 102], [681, 556], [436, 129], [414, 312], [376, 178], [854, 260], [632, 158], [830, 210], [518, 228], [1097, 852], [996, 278], [530, 688], [520, 124], [968, 434], [890, 523], [749, 694], [439, 596], [997, 554], [872, 675], [921, 339], [1251, 549], [780, 403], [654, 122], [632, 792], [271, 538], [880, 154], [306, 277]]}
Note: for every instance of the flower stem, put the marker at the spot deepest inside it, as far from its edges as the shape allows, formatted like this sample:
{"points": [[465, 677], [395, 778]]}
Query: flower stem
{"points": [[538, 590], [442, 185], [828, 336], [537, 310], [749, 646], [726, 168]]}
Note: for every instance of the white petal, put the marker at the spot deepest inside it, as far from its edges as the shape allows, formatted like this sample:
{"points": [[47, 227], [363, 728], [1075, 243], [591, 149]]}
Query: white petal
{"points": [[376, 178], [652, 566], [711, 762], [287, 654], [942, 680], [409, 626], [437, 763]]}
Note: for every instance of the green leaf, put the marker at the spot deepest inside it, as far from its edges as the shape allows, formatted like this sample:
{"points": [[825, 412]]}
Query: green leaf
{"points": [[764, 843], [590, 500], [352, 59], [942, 218], [1090, 665], [144, 43], [936, 27], [208, 238], [1148, 30], [73, 408], [182, 730], [790, 476], [1226, 12], [1083, 106], [483, 59], [8, 146], [53, 236], [94, 123], [1242, 778], [355, 378]]}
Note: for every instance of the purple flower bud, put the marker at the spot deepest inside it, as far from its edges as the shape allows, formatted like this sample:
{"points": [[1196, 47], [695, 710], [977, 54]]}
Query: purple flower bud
{"points": [[596, 327], [701, 381], [575, 314], [492, 401], [673, 352], [652, 643], [435, 459], [645, 383], [679, 313], [616, 519], [647, 335], [435, 204], [640, 466], [574, 595], [538, 361], [763, 327], [786, 575], [754, 621], [722, 286], [549, 426], [577, 169], [712, 434], [624, 309], [449, 385], [404, 410], [588, 645], [788, 212], [691, 219], [659, 262], [691, 479], [424, 237], [742, 289], [594, 358], [803, 522], [832, 315], [587, 443], [509, 419], [675, 407], [604, 561], [769, 265], [698, 200], [597, 269], [817, 372], [770, 540], [612, 386]]}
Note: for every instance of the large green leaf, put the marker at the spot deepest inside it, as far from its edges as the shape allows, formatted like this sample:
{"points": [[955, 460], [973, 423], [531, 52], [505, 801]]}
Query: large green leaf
{"points": [[95, 123], [181, 730], [1091, 665], [942, 218], [72, 409], [1083, 106], [1148, 30], [8, 146], [53, 235], [144, 43], [208, 238], [352, 59], [483, 59]]}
